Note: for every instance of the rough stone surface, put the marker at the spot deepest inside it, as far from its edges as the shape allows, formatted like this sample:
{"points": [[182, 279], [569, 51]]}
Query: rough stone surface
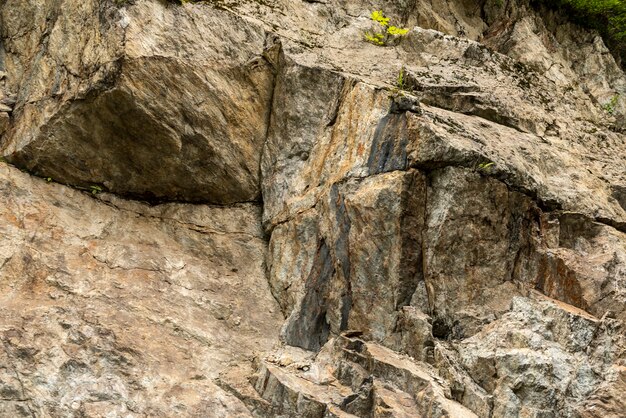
{"points": [[235, 208], [123, 309], [143, 100], [540, 355], [357, 377]]}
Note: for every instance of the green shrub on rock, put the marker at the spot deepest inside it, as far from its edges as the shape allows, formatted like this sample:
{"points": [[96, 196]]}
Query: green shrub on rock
{"points": [[385, 32]]}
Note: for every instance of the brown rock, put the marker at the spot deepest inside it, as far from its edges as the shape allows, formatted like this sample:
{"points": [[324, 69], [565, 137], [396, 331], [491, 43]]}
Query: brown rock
{"points": [[450, 244], [171, 114], [130, 309]]}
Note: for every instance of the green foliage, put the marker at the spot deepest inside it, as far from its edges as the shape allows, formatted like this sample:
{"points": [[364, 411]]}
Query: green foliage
{"points": [[486, 167], [607, 16], [401, 85], [400, 82], [392, 30], [385, 32], [375, 38], [610, 106], [95, 189], [379, 16]]}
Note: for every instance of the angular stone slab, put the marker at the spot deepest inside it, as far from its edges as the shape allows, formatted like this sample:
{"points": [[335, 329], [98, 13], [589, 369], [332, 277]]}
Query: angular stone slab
{"points": [[159, 110]]}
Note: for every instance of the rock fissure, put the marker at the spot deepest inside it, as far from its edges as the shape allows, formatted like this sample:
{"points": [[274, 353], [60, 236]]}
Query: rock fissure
{"points": [[295, 222]]}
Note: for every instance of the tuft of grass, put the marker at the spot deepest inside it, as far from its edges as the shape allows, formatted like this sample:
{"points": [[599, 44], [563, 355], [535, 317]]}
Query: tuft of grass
{"points": [[400, 81], [610, 106], [95, 189], [486, 167]]}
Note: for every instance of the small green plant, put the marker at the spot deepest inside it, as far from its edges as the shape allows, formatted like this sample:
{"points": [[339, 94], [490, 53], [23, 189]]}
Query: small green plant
{"points": [[48, 179], [385, 32], [400, 86], [610, 106], [379, 16], [401, 82], [486, 167], [95, 189], [376, 38]]}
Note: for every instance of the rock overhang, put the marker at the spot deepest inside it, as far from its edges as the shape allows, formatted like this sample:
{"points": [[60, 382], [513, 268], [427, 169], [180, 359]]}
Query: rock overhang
{"points": [[172, 121]]}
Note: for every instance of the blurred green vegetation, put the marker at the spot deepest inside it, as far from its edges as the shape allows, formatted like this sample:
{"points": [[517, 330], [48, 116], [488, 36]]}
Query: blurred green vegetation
{"points": [[606, 16]]}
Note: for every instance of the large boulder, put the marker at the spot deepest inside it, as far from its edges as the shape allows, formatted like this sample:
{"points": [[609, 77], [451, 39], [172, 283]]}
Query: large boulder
{"points": [[114, 308], [153, 101]]}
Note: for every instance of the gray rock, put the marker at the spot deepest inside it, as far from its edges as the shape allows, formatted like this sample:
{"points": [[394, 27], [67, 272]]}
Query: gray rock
{"points": [[540, 354]]}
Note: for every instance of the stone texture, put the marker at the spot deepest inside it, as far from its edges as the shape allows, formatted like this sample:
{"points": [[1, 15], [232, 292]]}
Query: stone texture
{"points": [[355, 377], [117, 308], [608, 401], [475, 230], [586, 269], [541, 354], [451, 246], [367, 262], [153, 106]]}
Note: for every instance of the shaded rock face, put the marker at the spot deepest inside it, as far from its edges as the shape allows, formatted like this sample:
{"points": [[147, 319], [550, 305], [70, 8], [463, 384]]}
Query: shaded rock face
{"points": [[369, 274], [319, 239], [143, 114]]}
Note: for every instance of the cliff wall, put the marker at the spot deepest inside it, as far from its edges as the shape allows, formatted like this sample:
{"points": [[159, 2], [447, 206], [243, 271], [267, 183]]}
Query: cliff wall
{"points": [[241, 208]]}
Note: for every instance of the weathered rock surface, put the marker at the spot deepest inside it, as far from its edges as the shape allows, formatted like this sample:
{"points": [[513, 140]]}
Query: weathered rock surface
{"points": [[119, 309], [542, 358], [350, 376], [451, 245], [143, 100]]}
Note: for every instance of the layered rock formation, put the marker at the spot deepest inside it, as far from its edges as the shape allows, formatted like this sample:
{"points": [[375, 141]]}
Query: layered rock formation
{"points": [[238, 208]]}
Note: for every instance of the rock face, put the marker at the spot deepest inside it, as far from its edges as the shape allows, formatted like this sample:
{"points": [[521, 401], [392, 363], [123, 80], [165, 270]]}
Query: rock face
{"points": [[243, 209], [117, 308], [142, 100]]}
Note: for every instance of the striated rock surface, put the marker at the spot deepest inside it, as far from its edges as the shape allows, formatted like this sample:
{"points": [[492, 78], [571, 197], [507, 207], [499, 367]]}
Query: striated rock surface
{"points": [[240, 208]]}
